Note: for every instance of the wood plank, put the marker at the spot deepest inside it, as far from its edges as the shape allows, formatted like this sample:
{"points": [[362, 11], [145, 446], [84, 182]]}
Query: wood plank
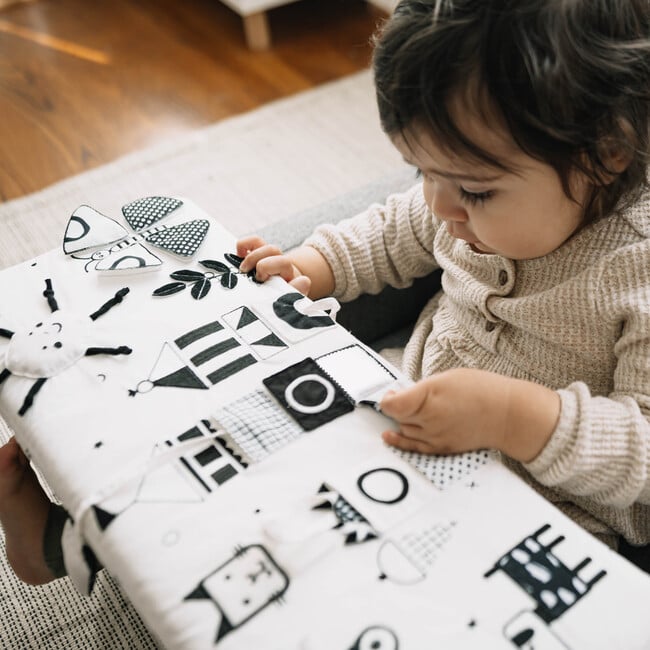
{"points": [[82, 83]]}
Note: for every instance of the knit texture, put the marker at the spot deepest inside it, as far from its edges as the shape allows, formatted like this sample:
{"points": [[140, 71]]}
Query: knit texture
{"points": [[576, 320]]}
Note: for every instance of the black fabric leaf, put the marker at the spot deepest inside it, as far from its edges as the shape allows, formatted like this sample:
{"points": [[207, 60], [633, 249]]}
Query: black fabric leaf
{"points": [[229, 280], [169, 289], [252, 274], [235, 260], [215, 266], [187, 276], [200, 289]]}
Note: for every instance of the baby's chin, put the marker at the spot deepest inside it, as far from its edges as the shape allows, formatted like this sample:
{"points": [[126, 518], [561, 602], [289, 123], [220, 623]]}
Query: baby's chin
{"points": [[477, 247]]}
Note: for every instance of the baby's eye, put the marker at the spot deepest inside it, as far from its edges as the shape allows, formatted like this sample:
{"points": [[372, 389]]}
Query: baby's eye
{"points": [[472, 198], [418, 172]]}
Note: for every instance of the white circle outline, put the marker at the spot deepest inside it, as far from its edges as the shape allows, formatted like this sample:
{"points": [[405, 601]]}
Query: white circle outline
{"points": [[317, 408]]}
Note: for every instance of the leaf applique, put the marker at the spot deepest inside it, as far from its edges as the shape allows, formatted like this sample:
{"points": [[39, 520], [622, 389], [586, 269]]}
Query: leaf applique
{"points": [[235, 260], [215, 266], [200, 289], [201, 282], [229, 280], [169, 289], [187, 275]]}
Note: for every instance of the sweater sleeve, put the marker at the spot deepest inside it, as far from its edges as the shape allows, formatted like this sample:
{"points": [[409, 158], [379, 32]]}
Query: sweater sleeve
{"points": [[601, 445], [390, 244]]}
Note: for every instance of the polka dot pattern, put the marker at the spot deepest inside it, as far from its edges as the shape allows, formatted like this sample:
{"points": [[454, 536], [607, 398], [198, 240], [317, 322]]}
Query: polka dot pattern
{"points": [[345, 512], [183, 239], [422, 547], [442, 471], [145, 212]]}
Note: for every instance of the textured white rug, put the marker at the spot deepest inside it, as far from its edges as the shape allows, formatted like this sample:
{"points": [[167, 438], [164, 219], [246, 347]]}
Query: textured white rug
{"points": [[296, 156]]}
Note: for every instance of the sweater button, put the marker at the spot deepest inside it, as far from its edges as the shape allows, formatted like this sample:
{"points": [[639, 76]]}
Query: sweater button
{"points": [[490, 325], [503, 277]]}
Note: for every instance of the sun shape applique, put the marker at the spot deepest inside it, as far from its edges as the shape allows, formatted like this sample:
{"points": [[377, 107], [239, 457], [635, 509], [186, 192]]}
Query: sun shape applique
{"points": [[52, 345]]}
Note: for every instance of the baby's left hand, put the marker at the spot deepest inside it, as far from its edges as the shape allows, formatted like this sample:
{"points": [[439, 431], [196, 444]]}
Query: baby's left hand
{"points": [[465, 409]]}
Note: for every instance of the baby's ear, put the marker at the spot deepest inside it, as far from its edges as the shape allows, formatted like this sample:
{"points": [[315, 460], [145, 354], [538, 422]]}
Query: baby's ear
{"points": [[617, 150]]}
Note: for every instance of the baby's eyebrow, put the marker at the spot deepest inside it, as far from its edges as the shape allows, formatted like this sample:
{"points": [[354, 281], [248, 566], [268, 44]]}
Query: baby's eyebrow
{"points": [[457, 177]]}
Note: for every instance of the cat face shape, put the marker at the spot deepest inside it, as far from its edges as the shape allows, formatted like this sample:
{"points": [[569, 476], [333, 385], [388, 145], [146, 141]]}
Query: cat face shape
{"points": [[51, 346], [243, 586]]}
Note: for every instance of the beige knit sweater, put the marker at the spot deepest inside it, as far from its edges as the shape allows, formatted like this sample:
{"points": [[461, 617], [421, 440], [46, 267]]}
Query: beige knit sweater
{"points": [[576, 320]]}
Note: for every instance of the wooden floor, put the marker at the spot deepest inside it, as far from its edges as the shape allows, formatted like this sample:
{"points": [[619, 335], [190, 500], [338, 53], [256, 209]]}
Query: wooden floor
{"points": [[85, 81]]}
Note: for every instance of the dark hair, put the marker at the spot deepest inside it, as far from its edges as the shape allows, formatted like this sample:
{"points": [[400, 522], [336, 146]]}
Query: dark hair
{"points": [[569, 78]]}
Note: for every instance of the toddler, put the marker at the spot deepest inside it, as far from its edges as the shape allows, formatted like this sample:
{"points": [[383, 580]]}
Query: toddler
{"points": [[528, 122]]}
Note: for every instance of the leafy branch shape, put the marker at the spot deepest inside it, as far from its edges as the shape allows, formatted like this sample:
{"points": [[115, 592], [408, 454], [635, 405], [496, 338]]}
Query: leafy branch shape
{"points": [[201, 282]]}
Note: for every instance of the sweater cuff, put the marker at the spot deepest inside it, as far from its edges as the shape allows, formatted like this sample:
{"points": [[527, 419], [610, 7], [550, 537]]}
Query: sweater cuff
{"points": [[562, 438], [320, 239]]}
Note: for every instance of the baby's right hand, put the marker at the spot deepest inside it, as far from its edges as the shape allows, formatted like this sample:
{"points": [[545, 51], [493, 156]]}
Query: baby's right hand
{"points": [[268, 260]]}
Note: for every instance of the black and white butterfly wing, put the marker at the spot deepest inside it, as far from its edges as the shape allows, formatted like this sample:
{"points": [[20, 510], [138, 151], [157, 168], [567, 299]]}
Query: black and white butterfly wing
{"points": [[182, 239], [88, 228], [129, 259], [144, 213], [105, 243]]}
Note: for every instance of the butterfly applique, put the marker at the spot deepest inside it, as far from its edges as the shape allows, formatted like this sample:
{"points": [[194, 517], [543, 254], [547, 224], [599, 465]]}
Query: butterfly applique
{"points": [[109, 247]]}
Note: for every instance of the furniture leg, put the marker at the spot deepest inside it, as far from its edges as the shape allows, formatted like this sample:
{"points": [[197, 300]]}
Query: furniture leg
{"points": [[256, 29]]}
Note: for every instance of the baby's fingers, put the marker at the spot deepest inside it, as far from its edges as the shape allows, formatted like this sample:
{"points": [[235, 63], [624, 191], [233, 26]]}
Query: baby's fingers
{"points": [[405, 405], [399, 440], [302, 283], [275, 265], [247, 244], [254, 257]]}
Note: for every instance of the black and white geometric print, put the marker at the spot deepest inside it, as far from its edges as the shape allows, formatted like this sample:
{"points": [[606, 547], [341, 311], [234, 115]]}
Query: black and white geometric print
{"points": [[308, 394], [242, 587], [256, 425], [444, 471], [210, 464], [356, 370], [285, 309], [107, 246], [182, 239], [406, 559], [185, 469], [351, 523], [214, 350], [145, 212], [198, 359], [532, 565], [376, 637], [528, 632], [254, 332]]}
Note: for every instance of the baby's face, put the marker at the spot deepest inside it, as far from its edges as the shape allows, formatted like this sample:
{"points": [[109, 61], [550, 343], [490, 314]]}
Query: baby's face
{"points": [[519, 215]]}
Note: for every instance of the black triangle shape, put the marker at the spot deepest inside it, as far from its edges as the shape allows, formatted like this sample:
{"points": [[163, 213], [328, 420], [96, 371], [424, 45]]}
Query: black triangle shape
{"points": [[104, 518], [272, 340], [182, 378], [247, 317], [199, 593]]}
